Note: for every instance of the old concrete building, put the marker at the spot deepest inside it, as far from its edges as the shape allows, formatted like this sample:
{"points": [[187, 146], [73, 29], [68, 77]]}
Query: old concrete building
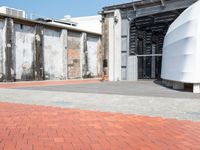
{"points": [[37, 50], [133, 36]]}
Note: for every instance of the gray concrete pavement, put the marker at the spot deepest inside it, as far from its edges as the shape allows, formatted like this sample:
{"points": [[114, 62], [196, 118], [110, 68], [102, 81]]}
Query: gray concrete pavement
{"points": [[166, 107], [140, 88]]}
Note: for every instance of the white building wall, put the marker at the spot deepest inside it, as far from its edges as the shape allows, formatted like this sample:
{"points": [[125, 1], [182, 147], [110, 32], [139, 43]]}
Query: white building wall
{"points": [[89, 23], [132, 70], [92, 43], [181, 52], [23, 47], [53, 55]]}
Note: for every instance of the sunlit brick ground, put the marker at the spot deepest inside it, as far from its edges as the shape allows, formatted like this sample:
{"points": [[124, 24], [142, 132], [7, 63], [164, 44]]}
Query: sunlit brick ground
{"points": [[29, 127], [45, 83]]}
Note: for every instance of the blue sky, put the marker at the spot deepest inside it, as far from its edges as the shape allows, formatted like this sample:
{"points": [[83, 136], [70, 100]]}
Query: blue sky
{"points": [[60, 8]]}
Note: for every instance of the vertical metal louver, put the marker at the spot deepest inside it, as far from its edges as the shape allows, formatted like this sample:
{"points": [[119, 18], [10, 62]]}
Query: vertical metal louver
{"points": [[133, 34]]}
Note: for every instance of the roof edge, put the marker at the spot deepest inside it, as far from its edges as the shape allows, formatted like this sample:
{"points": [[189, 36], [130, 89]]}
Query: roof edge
{"points": [[46, 24]]}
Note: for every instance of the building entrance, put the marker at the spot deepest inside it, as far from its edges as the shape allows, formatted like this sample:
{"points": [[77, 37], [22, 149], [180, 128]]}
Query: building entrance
{"points": [[146, 42], [149, 67]]}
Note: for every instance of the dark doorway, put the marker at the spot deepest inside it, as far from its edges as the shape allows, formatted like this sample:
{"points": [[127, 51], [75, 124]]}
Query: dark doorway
{"points": [[149, 67], [146, 42]]}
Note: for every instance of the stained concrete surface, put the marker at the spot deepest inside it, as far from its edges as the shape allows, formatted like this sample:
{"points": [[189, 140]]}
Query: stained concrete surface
{"points": [[141, 98], [152, 88]]}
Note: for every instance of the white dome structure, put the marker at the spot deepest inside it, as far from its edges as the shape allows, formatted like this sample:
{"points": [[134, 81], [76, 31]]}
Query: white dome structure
{"points": [[181, 50]]}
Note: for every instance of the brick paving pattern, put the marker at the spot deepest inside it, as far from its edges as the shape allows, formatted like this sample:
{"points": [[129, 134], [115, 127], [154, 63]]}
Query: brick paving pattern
{"points": [[29, 127], [45, 83]]}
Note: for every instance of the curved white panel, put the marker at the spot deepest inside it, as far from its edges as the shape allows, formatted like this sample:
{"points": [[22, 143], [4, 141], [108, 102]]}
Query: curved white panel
{"points": [[181, 50]]}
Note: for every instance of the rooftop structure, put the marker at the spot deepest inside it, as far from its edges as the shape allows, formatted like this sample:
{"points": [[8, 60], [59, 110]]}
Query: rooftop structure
{"points": [[13, 12], [88, 23]]}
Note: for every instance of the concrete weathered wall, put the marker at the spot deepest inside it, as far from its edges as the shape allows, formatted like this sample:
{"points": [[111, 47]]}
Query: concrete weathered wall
{"points": [[92, 48], [105, 43], [2, 48], [100, 58], [53, 55], [23, 47], [73, 55], [30, 51]]}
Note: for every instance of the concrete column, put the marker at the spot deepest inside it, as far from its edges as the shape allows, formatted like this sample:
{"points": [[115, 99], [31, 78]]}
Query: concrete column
{"points": [[38, 69], [2, 52], [1, 65], [64, 34], [83, 55], [9, 51], [105, 44], [115, 46], [196, 88], [178, 86], [99, 58]]}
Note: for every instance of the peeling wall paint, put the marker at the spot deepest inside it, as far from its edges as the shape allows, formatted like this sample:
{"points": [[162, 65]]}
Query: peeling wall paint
{"points": [[36, 52], [64, 35], [100, 58], [24, 44], [39, 53], [105, 43], [2, 47], [53, 54], [9, 51], [92, 43], [73, 54]]}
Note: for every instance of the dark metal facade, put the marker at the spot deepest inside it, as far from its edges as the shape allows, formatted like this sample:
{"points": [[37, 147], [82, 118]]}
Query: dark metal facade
{"points": [[146, 41], [144, 26]]}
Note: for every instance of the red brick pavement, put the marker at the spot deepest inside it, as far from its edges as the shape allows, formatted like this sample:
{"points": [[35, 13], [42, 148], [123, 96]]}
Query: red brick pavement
{"points": [[29, 127], [45, 83]]}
